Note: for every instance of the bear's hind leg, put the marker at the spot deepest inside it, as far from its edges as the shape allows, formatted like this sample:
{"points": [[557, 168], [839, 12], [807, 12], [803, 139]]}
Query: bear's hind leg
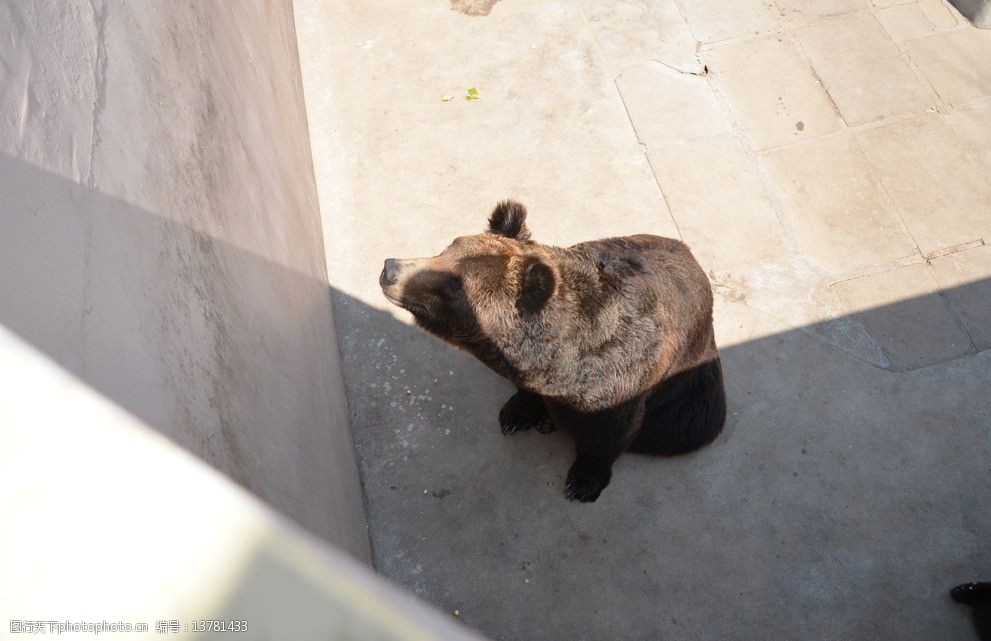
{"points": [[690, 415], [524, 411]]}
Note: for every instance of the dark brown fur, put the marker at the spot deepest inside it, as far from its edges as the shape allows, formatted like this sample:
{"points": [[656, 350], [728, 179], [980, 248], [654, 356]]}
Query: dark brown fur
{"points": [[610, 340]]}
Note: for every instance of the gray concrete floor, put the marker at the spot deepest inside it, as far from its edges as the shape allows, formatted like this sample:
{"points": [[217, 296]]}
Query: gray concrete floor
{"points": [[826, 161]]}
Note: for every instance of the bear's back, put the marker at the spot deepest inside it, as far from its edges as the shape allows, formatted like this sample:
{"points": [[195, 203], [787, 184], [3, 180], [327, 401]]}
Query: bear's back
{"points": [[663, 265]]}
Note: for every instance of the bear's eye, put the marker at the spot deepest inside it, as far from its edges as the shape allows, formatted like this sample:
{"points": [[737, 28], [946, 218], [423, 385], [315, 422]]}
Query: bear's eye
{"points": [[453, 286]]}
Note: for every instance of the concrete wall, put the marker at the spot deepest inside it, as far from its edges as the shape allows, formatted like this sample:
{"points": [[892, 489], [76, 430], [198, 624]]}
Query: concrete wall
{"points": [[160, 236]]}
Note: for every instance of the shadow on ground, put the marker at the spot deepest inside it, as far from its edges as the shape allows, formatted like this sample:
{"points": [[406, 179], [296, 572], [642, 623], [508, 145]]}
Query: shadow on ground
{"points": [[842, 501]]}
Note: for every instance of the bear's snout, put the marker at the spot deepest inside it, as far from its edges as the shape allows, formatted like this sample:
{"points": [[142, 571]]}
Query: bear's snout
{"points": [[390, 273]]}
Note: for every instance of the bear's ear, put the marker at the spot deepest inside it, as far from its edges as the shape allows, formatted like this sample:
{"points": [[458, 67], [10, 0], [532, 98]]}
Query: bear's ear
{"points": [[509, 219], [536, 286]]}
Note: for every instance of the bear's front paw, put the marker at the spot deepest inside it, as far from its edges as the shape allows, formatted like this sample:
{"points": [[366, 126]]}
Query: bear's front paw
{"points": [[585, 484], [523, 412]]}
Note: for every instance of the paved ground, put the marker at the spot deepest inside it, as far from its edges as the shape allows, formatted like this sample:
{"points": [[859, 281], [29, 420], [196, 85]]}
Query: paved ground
{"points": [[829, 163]]}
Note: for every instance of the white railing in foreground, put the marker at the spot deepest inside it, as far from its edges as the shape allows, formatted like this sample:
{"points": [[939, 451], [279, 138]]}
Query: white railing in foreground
{"points": [[108, 528]]}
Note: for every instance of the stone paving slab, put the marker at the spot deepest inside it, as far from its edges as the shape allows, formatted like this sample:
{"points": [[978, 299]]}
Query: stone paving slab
{"points": [[971, 126], [665, 105], [956, 63], [771, 91], [841, 214], [721, 206], [633, 31], [919, 329], [963, 276], [715, 20], [917, 19], [862, 69], [942, 193]]}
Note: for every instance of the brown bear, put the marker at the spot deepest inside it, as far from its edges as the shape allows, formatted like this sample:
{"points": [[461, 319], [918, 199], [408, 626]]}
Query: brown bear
{"points": [[610, 340]]}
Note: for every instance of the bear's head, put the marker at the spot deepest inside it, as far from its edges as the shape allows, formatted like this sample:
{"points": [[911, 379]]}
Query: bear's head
{"points": [[480, 286]]}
